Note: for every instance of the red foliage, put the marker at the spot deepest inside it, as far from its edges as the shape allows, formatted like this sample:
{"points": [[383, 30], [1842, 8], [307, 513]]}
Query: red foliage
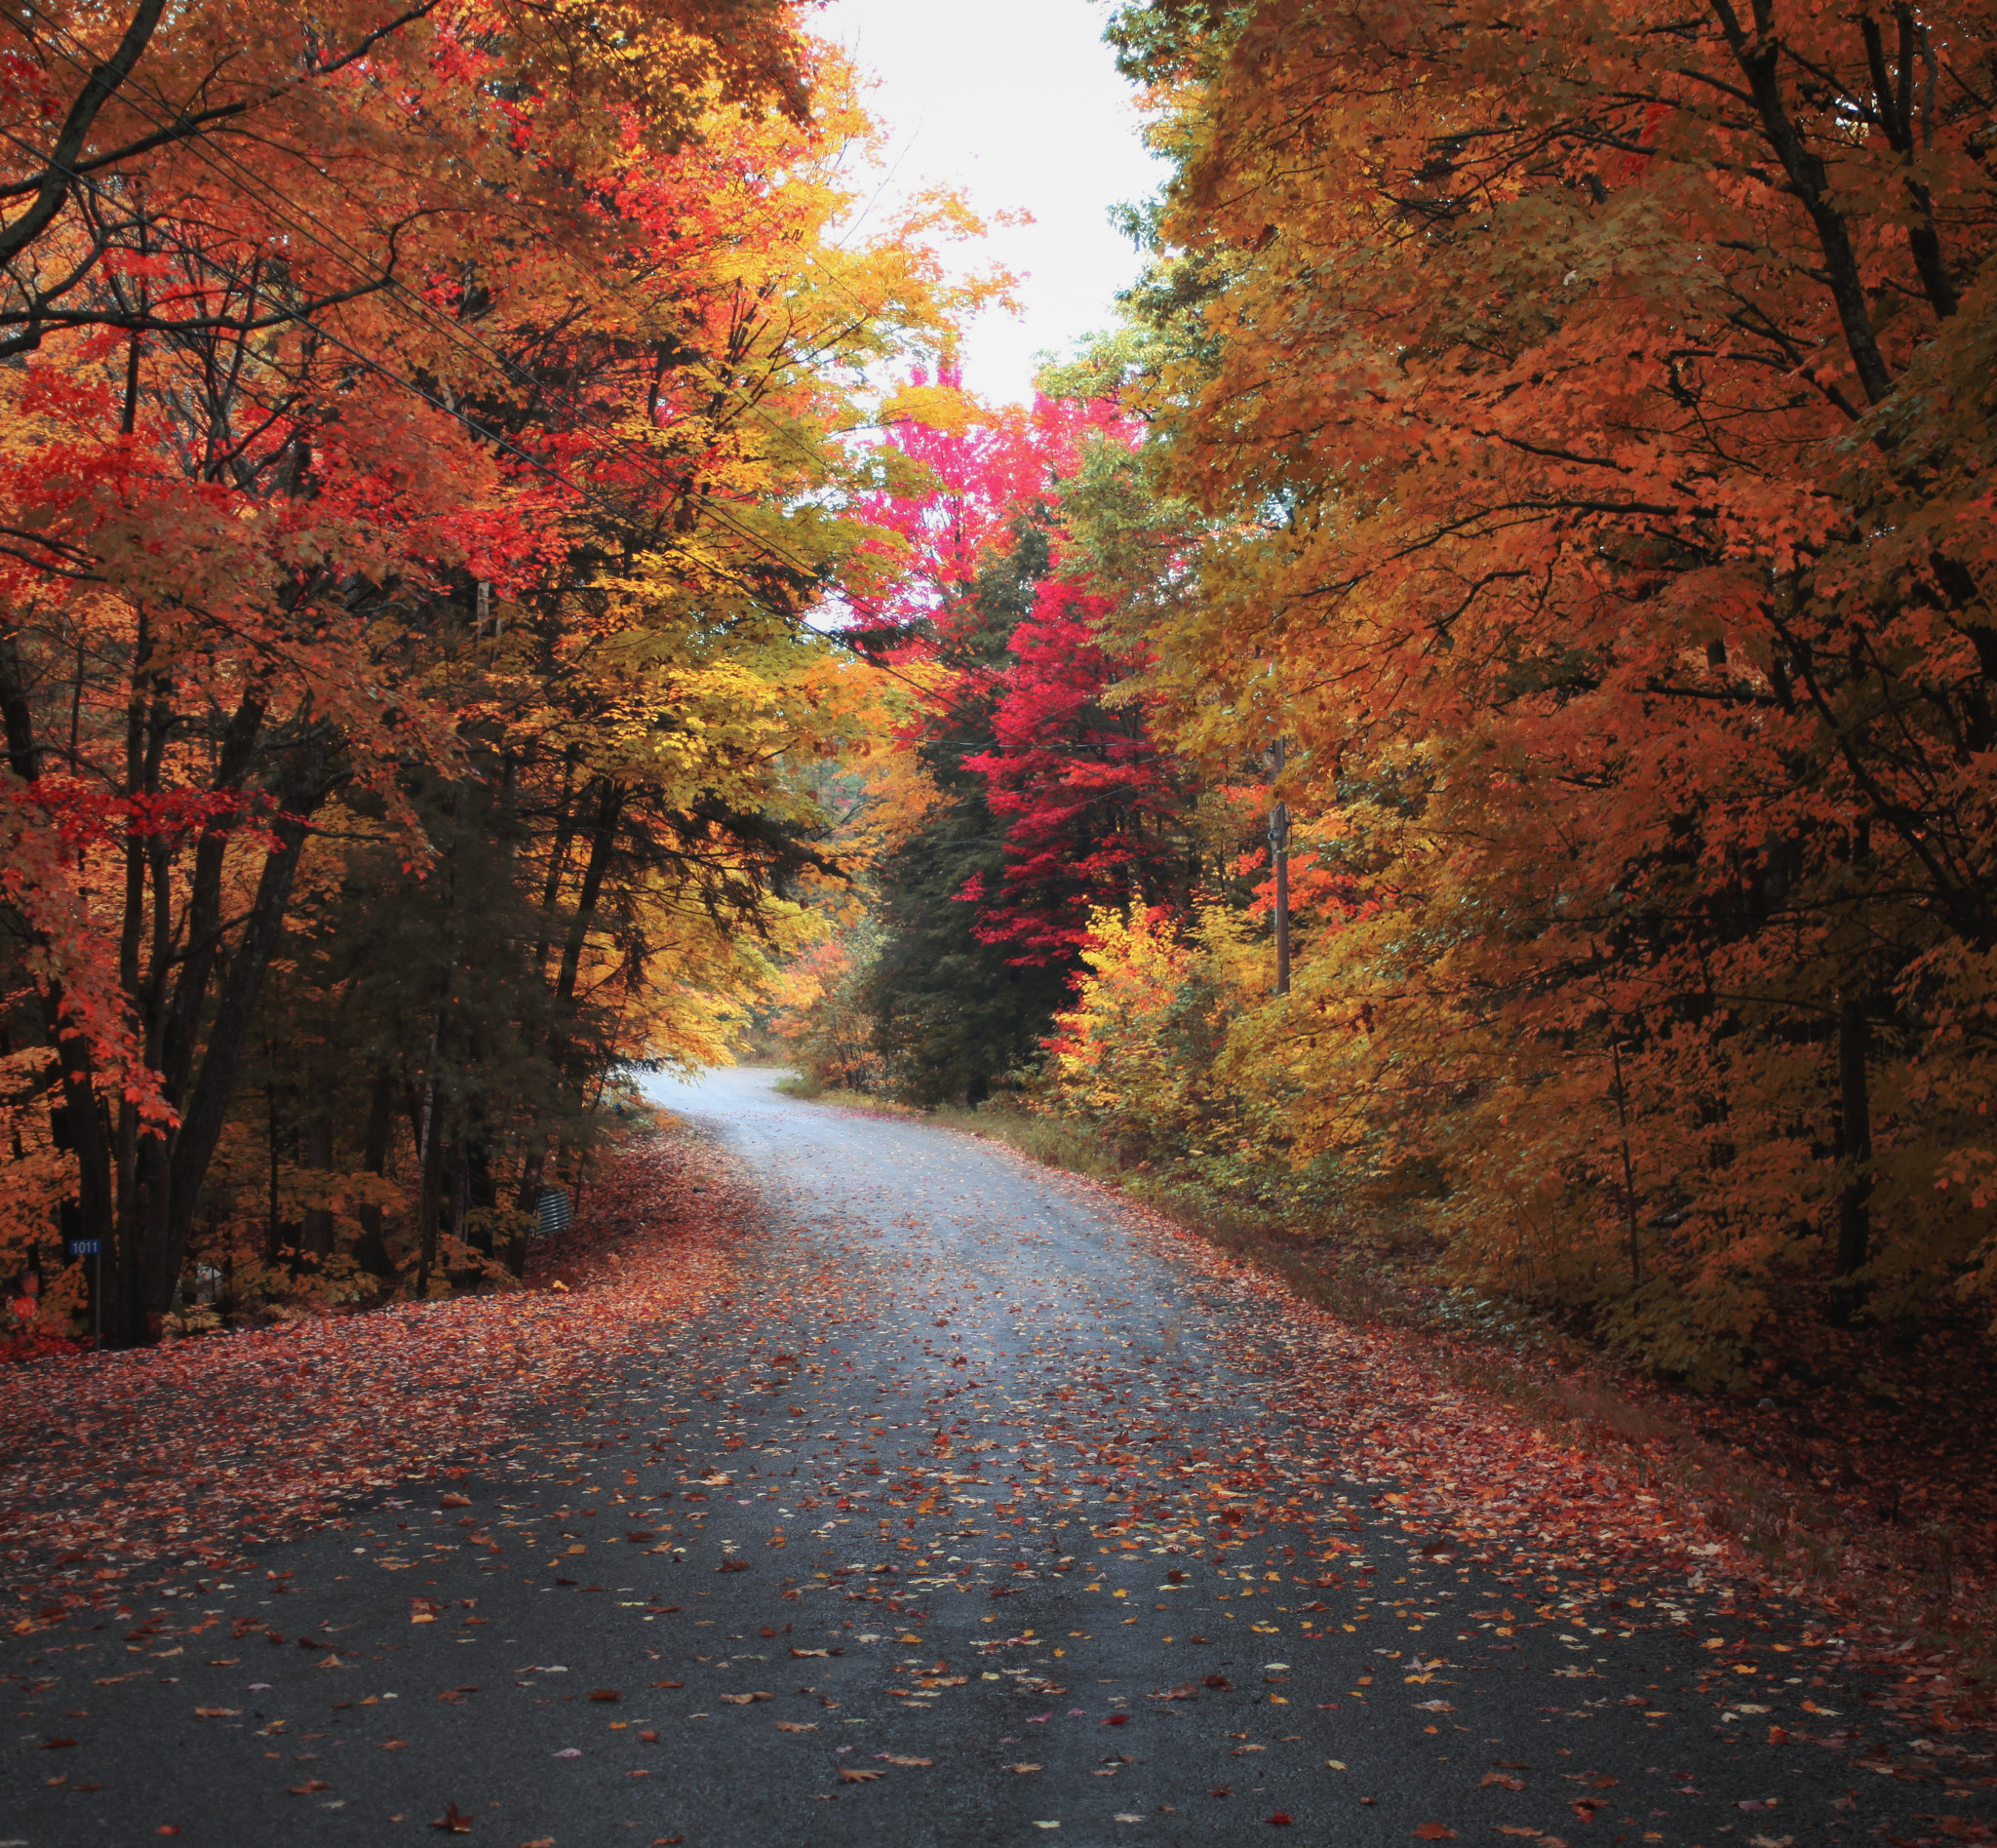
{"points": [[1090, 798], [178, 1456], [981, 480]]}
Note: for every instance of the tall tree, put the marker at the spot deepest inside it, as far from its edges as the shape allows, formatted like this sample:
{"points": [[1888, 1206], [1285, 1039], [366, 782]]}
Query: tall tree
{"points": [[1042, 797], [1092, 814], [1589, 424], [412, 530], [953, 1008]]}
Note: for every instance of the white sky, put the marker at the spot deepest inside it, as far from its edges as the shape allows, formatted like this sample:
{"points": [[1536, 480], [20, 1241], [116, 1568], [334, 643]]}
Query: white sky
{"points": [[1018, 104]]}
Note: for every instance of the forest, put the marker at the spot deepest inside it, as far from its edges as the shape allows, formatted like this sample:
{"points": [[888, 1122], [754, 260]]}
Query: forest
{"points": [[427, 441], [1462, 723]]}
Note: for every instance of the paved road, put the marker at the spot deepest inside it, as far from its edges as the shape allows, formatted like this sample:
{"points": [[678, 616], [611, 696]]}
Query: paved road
{"points": [[926, 1541]]}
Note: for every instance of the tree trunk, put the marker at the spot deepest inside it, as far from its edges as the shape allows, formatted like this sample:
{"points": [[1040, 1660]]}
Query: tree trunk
{"points": [[1854, 1140], [603, 838], [481, 1196], [430, 1168], [1279, 859], [318, 1230], [207, 1103], [372, 1249]]}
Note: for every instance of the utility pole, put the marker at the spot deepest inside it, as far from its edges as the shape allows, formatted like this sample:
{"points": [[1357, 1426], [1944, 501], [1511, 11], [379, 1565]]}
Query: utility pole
{"points": [[1279, 858]]}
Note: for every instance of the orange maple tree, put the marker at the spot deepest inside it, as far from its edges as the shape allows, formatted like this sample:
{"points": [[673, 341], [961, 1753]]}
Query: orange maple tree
{"points": [[1593, 411]]}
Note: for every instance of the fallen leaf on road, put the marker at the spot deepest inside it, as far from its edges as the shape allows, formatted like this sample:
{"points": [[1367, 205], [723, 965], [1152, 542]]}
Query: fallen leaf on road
{"points": [[795, 1726], [453, 1820], [743, 1700], [1500, 1781], [57, 1745], [1281, 1819], [454, 1501], [570, 1752], [395, 1745], [1185, 1691], [216, 1712], [669, 1685], [859, 1777], [896, 1759], [1434, 1831], [1434, 1707], [801, 1654], [308, 1787], [1022, 1768], [605, 1694]]}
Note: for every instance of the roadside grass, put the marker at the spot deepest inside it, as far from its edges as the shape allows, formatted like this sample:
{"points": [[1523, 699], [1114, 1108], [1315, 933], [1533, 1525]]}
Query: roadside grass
{"points": [[813, 1092], [1920, 1589]]}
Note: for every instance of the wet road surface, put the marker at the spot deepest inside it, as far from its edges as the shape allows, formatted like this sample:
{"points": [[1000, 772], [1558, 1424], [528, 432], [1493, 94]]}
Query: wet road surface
{"points": [[981, 1515]]}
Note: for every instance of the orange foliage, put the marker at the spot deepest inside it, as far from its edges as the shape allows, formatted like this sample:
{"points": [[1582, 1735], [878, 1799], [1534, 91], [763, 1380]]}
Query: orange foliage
{"points": [[1594, 410]]}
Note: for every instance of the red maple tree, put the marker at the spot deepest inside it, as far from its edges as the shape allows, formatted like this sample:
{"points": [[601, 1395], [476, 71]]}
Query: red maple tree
{"points": [[1091, 803]]}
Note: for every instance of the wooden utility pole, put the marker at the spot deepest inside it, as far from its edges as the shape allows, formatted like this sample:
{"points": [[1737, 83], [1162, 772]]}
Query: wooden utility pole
{"points": [[1279, 858]]}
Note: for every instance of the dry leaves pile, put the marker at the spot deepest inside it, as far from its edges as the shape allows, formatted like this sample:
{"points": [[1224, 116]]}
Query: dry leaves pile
{"points": [[172, 1458]]}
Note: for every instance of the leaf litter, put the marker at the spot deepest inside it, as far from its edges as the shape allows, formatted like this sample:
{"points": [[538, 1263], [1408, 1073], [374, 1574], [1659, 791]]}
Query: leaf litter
{"points": [[1372, 1454], [127, 1467]]}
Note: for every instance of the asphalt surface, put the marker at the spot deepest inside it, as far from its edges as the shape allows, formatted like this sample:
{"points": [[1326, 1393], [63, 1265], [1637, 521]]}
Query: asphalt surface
{"points": [[929, 1538]]}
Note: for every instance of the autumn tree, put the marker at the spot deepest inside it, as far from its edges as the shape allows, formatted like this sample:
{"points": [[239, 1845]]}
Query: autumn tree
{"points": [[1592, 423], [1091, 811], [954, 1010], [423, 452], [1042, 794]]}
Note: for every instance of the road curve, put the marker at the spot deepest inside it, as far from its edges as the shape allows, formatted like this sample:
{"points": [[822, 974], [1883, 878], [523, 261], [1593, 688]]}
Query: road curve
{"points": [[980, 1516]]}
